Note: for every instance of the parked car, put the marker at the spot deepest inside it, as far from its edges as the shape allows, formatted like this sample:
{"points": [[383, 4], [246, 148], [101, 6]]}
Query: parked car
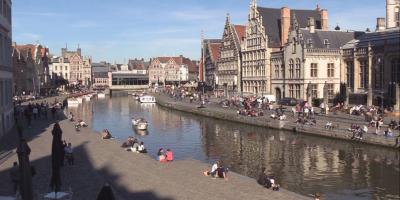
{"points": [[271, 98], [287, 101]]}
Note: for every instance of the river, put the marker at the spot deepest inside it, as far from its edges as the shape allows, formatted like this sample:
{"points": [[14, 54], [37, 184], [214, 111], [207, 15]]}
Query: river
{"points": [[301, 163]]}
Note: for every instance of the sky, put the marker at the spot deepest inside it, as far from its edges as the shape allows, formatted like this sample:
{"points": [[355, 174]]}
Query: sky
{"points": [[118, 30]]}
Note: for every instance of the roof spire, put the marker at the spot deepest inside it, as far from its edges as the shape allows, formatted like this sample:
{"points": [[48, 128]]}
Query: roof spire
{"points": [[228, 18], [295, 24], [253, 3]]}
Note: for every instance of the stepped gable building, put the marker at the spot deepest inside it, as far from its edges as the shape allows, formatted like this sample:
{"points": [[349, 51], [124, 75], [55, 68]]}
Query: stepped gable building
{"points": [[229, 62], [210, 55], [81, 67], [170, 70], [267, 31], [138, 64], [31, 64], [309, 61]]}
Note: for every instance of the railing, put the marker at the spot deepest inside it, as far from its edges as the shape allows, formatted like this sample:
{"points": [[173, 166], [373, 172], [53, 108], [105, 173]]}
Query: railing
{"points": [[326, 51], [128, 87]]}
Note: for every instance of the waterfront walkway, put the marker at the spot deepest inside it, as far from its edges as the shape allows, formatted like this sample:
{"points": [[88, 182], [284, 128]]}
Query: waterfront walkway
{"points": [[131, 175], [341, 121]]}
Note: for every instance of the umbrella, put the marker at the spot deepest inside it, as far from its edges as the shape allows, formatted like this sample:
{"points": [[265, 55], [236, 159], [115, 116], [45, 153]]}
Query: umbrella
{"points": [[56, 159]]}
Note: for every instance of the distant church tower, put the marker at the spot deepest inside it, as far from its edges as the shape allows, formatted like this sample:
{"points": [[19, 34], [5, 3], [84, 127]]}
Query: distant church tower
{"points": [[392, 13]]}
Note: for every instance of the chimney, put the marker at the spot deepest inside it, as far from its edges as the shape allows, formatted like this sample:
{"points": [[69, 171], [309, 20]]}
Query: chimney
{"points": [[311, 24], [324, 19], [380, 24], [285, 25]]}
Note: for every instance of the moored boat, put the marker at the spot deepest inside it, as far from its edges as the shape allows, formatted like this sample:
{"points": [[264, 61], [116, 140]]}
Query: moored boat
{"points": [[142, 126], [101, 95], [79, 99], [147, 99], [73, 102]]}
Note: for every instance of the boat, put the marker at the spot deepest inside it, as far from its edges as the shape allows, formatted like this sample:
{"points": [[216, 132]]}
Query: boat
{"points": [[142, 125], [136, 121], [79, 99], [73, 102], [87, 97], [101, 95], [147, 99]]}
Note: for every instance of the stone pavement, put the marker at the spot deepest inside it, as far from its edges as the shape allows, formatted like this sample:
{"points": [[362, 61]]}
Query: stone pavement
{"points": [[341, 120], [131, 175]]}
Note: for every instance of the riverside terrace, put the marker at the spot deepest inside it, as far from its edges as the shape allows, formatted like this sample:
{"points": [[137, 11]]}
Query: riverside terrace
{"points": [[340, 120], [131, 176]]}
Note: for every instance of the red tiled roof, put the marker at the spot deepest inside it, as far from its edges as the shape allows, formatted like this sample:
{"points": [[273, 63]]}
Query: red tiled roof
{"points": [[215, 50], [240, 31], [24, 49]]}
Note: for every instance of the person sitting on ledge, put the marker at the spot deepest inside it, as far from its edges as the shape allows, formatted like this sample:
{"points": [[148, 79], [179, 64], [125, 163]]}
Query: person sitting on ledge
{"points": [[141, 148], [128, 142], [169, 155], [213, 171], [275, 186], [106, 134], [161, 155], [222, 172]]}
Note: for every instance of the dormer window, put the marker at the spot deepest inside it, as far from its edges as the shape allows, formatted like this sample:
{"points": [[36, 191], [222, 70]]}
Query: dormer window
{"points": [[309, 43], [326, 43]]}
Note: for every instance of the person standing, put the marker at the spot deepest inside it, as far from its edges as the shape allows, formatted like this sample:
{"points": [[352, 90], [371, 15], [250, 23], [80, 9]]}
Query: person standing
{"points": [[57, 146]]}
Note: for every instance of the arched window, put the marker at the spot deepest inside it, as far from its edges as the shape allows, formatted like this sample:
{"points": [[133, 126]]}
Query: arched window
{"points": [[395, 65], [297, 68], [291, 68]]}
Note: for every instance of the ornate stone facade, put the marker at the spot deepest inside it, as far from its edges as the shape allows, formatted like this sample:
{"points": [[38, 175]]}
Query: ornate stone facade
{"points": [[210, 55], [267, 31], [80, 67], [170, 70], [371, 67], [229, 62]]}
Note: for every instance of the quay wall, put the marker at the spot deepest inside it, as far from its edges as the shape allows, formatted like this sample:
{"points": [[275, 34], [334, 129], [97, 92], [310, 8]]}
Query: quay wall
{"points": [[341, 134]]}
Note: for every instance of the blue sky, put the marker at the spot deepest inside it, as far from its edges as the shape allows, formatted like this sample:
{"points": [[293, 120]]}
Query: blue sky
{"points": [[116, 30]]}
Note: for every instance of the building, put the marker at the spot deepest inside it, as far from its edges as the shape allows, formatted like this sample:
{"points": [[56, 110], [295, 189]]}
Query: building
{"points": [[100, 74], [6, 70], [229, 62], [210, 55], [59, 68], [371, 62], [31, 69], [80, 67], [267, 31], [125, 79], [138, 64], [170, 70], [309, 61]]}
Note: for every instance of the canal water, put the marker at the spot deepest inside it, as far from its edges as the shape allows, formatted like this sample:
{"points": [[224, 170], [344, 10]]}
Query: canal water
{"points": [[302, 164]]}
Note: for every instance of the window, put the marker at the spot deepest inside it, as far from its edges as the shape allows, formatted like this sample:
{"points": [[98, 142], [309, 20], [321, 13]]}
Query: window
{"points": [[326, 43], [314, 91], [277, 71], [55, 68], [66, 68], [291, 70], [331, 70], [309, 43], [314, 70], [291, 90], [331, 91], [283, 71], [297, 68], [297, 87], [350, 74], [363, 76], [294, 46], [395, 70]]}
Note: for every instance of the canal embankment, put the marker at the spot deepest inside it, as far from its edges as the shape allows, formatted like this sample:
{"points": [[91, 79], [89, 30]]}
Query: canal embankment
{"points": [[340, 132], [131, 175]]}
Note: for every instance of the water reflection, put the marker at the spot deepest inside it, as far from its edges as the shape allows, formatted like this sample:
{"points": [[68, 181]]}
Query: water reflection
{"points": [[303, 164]]}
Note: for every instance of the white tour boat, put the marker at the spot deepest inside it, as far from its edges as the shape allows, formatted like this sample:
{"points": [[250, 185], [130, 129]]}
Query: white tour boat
{"points": [[79, 99], [142, 126], [73, 102], [87, 97], [147, 99], [101, 95]]}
